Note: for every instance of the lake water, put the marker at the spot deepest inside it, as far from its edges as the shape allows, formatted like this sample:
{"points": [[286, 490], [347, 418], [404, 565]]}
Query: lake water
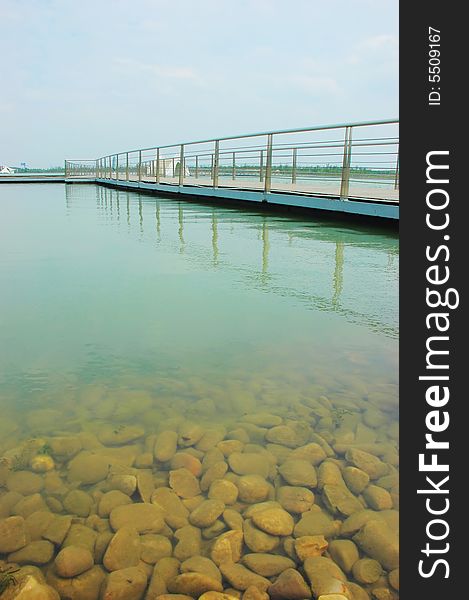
{"points": [[126, 309]]}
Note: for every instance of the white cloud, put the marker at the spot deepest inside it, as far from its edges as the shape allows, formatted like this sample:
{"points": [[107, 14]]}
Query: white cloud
{"points": [[316, 85], [152, 25], [162, 71], [377, 47], [380, 41]]}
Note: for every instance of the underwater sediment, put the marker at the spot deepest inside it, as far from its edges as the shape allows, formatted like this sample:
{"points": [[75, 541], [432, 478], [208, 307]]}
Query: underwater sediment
{"points": [[121, 496]]}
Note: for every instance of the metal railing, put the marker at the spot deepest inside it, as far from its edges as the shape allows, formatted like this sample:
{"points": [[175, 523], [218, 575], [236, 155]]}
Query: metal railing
{"points": [[350, 160]]}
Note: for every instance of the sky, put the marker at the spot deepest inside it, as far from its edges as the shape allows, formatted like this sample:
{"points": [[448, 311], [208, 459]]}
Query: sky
{"points": [[86, 78]]}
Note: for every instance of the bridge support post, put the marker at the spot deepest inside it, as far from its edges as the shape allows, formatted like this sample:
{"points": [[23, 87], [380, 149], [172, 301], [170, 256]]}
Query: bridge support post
{"points": [[216, 160], [181, 165], [268, 164], [293, 168], [345, 181]]}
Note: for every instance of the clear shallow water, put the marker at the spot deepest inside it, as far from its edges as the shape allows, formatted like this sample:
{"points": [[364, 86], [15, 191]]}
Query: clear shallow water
{"points": [[111, 288], [261, 345]]}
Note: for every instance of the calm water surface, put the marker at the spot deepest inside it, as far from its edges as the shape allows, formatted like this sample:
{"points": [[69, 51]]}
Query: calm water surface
{"points": [[128, 320], [108, 288]]}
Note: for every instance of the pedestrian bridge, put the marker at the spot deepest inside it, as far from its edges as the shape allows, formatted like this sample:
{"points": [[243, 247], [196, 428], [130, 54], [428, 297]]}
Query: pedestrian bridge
{"points": [[347, 168]]}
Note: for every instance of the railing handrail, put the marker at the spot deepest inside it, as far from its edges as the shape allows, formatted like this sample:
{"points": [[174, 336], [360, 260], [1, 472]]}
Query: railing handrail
{"points": [[269, 145], [259, 134]]}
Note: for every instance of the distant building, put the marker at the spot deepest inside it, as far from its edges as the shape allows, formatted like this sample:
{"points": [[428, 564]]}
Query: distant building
{"points": [[4, 169]]}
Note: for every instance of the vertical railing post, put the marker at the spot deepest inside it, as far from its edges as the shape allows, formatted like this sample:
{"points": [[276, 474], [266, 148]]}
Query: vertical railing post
{"points": [[233, 168], [216, 160], [268, 165], [345, 180], [157, 178], [197, 167], [127, 166], [261, 166], [65, 169], [174, 172], [96, 169], [211, 166], [117, 167], [181, 165], [396, 177], [293, 169], [139, 166], [110, 168]]}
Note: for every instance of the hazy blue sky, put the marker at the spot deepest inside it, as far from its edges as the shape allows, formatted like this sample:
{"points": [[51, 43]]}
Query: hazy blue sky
{"points": [[84, 78]]}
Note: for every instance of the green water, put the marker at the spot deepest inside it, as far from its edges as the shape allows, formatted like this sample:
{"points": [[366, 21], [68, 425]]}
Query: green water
{"points": [[108, 288], [263, 346]]}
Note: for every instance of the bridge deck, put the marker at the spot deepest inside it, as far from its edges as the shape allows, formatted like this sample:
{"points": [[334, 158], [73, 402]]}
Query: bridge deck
{"points": [[321, 187], [238, 190], [320, 195]]}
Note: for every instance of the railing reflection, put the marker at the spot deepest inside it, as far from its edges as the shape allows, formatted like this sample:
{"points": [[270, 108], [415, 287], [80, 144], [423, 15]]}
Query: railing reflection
{"points": [[338, 273], [215, 238], [334, 243], [265, 250]]}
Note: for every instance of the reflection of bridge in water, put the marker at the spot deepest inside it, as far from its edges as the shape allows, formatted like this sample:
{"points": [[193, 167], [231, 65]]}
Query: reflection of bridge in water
{"points": [[332, 246], [351, 168]]}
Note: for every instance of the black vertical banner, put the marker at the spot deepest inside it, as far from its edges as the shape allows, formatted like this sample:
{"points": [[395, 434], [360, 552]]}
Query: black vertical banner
{"points": [[434, 359]]}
